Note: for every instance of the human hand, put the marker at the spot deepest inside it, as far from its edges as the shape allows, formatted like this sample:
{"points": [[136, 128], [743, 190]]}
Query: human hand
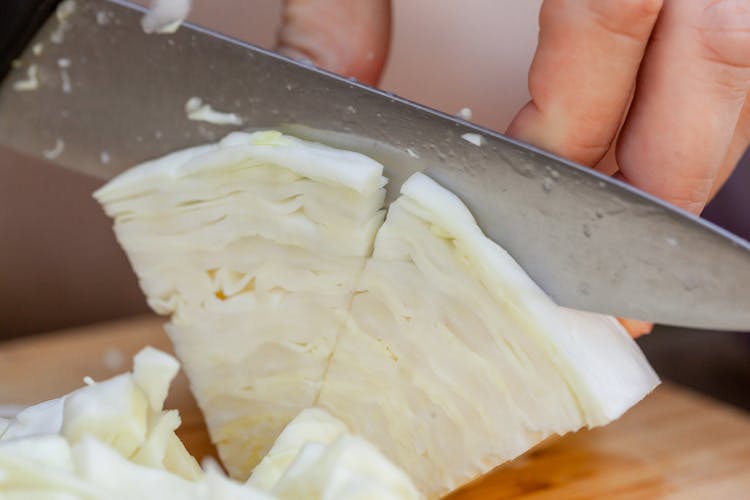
{"points": [[678, 87], [654, 92], [688, 74], [349, 37], [672, 76]]}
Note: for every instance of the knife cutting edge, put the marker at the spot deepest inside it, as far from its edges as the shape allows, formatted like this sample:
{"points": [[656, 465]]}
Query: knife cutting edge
{"points": [[92, 92]]}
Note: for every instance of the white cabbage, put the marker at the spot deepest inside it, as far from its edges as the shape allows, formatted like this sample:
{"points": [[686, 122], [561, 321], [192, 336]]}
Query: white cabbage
{"points": [[254, 246], [93, 441], [310, 426], [429, 340], [316, 456], [95, 444], [165, 16], [454, 361]]}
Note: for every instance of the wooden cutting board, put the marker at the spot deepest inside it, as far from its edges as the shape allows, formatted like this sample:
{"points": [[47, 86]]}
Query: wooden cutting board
{"points": [[674, 444]]}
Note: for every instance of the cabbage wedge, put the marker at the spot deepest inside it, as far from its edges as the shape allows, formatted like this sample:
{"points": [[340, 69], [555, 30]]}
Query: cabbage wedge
{"points": [[288, 290]]}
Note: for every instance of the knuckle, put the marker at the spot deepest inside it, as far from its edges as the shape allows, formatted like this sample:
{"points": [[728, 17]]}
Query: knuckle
{"points": [[630, 18], [584, 150], [723, 31], [692, 192], [693, 204], [640, 9]]}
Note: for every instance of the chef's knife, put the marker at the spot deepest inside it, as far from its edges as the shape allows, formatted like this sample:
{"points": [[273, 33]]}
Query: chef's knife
{"points": [[91, 91]]}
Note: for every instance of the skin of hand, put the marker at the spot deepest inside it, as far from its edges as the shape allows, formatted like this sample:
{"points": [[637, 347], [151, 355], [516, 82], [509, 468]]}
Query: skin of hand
{"points": [[654, 92]]}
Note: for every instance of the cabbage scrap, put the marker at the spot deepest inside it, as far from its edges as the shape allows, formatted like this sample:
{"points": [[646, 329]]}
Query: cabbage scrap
{"points": [[113, 441]]}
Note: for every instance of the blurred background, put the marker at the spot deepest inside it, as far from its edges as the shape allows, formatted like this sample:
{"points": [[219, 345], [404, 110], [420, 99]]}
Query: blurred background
{"points": [[60, 265]]}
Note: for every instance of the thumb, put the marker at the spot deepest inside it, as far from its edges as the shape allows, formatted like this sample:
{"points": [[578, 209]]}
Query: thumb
{"points": [[349, 37]]}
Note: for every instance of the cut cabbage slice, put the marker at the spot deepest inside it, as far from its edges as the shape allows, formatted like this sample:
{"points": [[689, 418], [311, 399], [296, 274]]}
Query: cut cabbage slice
{"points": [[108, 461], [253, 246], [453, 361], [435, 346]]}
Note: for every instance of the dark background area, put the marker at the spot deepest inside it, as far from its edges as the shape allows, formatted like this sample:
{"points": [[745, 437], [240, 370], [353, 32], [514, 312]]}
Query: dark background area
{"points": [[60, 265]]}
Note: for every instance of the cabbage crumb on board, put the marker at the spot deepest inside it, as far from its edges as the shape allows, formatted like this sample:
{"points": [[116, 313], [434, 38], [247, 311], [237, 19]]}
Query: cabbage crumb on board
{"points": [[112, 440], [287, 288]]}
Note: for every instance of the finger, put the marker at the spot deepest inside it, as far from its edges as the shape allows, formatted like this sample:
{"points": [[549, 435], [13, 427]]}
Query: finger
{"points": [[582, 74], [349, 37], [691, 87], [737, 147], [635, 327], [607, 165]]}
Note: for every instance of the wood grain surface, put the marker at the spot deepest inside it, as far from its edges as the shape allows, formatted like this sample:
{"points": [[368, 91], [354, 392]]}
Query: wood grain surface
{"points": [[674, 444]]}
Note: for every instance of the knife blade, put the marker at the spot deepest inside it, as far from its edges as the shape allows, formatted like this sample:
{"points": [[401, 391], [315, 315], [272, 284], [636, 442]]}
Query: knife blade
{"points": [[102, 96]]}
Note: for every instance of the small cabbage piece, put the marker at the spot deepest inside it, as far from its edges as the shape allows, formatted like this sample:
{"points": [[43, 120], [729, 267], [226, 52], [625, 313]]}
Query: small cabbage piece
{"points": [[253, 245], [113, 453], [312, 425], [316, 458], [109, 440], [287, 290], [124, 412], [49, 466], [42, 418], [103, 468], [350, 468]]}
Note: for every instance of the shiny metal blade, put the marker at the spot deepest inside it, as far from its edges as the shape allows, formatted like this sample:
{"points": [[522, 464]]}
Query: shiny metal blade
{"points": [[110, 96]]}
